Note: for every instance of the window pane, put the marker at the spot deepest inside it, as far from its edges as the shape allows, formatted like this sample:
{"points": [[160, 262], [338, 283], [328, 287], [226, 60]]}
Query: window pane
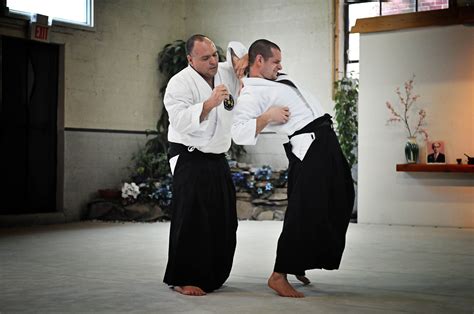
{"points": [[75, 11], [428, 5], [352, 70], [361, 10], [398, 7], [353, 51]]}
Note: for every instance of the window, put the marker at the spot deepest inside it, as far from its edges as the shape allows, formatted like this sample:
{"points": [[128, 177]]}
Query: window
{"points": [[71, 11], [354, 9]]}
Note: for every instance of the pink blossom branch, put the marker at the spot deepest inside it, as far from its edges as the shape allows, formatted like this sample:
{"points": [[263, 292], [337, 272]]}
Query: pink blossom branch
{"points": [[407, 102], [392, 110], [424, 133], [421, 115]]}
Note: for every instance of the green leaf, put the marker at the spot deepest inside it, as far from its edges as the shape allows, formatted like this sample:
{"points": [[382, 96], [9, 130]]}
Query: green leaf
{"points": [[345, 114]]}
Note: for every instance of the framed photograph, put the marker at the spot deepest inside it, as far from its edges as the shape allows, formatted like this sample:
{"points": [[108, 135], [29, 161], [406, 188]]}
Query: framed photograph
{"points": [[435, 153]]}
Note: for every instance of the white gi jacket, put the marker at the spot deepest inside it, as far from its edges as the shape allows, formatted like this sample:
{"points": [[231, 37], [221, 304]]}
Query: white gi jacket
{"points": [[259, 94], [184, 98]]}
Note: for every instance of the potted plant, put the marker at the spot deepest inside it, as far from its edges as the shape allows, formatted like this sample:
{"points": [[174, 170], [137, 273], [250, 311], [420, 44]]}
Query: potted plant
{"points": [[345, 113], [346, 99]]}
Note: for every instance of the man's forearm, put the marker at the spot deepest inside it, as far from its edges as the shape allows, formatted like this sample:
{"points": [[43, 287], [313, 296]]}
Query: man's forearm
{"points": [[262, 122], [206, 108]]}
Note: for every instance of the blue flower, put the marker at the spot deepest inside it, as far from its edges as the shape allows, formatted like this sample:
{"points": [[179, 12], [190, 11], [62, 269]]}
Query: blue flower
{"points": [[238, 178], [264, 173]]}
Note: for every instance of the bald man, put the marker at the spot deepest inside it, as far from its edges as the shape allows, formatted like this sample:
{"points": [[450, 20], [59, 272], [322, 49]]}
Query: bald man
{"points": [[199, 101]]}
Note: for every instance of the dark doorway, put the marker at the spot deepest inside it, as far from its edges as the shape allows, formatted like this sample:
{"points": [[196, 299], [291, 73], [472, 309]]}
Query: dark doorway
{"points": [[28, 126]]}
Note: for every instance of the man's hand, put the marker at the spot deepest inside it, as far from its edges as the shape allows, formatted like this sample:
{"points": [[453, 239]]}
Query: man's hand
{"points": [[274, 114], [219, 93], [278, 115], [240, 65]]}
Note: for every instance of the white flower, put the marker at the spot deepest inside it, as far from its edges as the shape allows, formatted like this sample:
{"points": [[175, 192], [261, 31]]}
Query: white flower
{"points": [[130, 189]]}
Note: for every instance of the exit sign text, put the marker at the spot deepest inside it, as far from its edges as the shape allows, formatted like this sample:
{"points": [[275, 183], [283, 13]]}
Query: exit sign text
{"points": [[39, 32]]}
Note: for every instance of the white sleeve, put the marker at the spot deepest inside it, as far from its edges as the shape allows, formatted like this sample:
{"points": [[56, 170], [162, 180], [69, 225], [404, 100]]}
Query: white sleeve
{"points": [[230, 79], [183, 114], [244, 122], [238, 48]]}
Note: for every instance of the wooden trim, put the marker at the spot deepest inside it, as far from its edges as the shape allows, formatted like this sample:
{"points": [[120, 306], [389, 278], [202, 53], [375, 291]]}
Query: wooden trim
{"points": [[435, 168], [115, 131], [60, 140], [336, 46], [459, 15]]}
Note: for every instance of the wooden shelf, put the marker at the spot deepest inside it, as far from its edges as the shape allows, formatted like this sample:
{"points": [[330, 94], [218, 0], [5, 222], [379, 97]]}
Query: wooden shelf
{"points": [[453, 16], [435, 168]]}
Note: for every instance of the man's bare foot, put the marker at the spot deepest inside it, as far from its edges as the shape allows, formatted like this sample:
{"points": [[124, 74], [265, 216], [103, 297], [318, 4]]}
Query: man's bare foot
{"points": [[303, 279], [189, 290], [280, 284]]}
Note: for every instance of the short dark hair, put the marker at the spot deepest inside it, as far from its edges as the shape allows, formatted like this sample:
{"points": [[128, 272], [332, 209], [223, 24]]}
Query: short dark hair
{"points": [[261, 47], [190, 42], [435, 144]]}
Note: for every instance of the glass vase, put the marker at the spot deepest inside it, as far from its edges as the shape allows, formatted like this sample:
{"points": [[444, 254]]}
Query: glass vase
{"points": [[411, 150]]}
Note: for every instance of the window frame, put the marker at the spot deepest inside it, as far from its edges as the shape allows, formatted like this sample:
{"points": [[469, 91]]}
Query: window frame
{"points": [[89, 26], [346, 31]]}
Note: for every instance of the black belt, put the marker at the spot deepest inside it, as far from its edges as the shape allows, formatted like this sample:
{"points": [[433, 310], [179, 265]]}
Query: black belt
{"points": [[315, 124], [180, 149]]}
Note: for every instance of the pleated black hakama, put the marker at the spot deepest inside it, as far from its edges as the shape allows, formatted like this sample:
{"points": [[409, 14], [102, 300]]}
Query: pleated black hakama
{"points": [[204, 220], [320, 203]]}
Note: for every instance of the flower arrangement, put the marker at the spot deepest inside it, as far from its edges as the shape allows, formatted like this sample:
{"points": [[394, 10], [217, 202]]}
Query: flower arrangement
{"points": [[150, 180], [130, 191], [413, 125], [158, 192], [260, 182]]}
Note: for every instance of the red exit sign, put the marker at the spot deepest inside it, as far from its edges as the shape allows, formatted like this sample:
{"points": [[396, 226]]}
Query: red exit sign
{"points": [[39, 32]]}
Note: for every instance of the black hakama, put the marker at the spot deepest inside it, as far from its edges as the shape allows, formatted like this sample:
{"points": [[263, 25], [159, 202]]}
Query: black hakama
{"points": [[320, 203], [204, 220]]}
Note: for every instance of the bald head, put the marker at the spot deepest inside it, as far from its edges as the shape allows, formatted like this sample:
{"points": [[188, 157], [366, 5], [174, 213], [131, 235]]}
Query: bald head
{"points": [[190, 42], [202, 56]]}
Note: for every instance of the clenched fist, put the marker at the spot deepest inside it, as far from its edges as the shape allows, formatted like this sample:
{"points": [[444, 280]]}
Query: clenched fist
{"points": [[277, 114], [274, 114], [219, 93]]}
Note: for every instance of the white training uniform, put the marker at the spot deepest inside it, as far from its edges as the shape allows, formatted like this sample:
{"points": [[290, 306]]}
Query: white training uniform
{"points": [[184, 98], [258, 95]]}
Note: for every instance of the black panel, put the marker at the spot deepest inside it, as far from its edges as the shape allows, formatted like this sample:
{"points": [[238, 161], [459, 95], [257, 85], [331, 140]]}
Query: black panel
{"points": [[28, 124]]}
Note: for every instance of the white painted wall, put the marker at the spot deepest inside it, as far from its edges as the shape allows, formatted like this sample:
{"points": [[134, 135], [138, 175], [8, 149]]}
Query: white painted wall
{"points": [[302, 29], [112, 78], [442, 60]]}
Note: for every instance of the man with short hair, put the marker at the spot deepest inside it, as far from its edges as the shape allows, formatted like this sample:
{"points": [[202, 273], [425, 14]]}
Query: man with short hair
{"points": [[320, 186], [436, 156], [199, 101]]}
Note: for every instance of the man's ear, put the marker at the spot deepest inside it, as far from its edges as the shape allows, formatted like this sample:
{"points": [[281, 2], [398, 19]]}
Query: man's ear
{"points": [[259, 59], [190, 59]]}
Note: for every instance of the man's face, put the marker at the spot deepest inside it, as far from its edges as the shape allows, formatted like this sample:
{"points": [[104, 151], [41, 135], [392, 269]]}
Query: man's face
{"points": [[204, 58], [271, 66], [436, 147]]}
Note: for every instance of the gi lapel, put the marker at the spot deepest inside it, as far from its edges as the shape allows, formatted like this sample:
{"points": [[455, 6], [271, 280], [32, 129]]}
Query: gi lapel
{"points": [[201, 85]]}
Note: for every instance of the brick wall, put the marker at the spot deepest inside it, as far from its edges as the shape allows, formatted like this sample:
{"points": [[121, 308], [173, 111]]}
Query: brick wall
{"points": [[407, 6]]}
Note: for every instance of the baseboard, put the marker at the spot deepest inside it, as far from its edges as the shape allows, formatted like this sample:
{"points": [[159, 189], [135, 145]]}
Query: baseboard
{"points": [[31, 219]]}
